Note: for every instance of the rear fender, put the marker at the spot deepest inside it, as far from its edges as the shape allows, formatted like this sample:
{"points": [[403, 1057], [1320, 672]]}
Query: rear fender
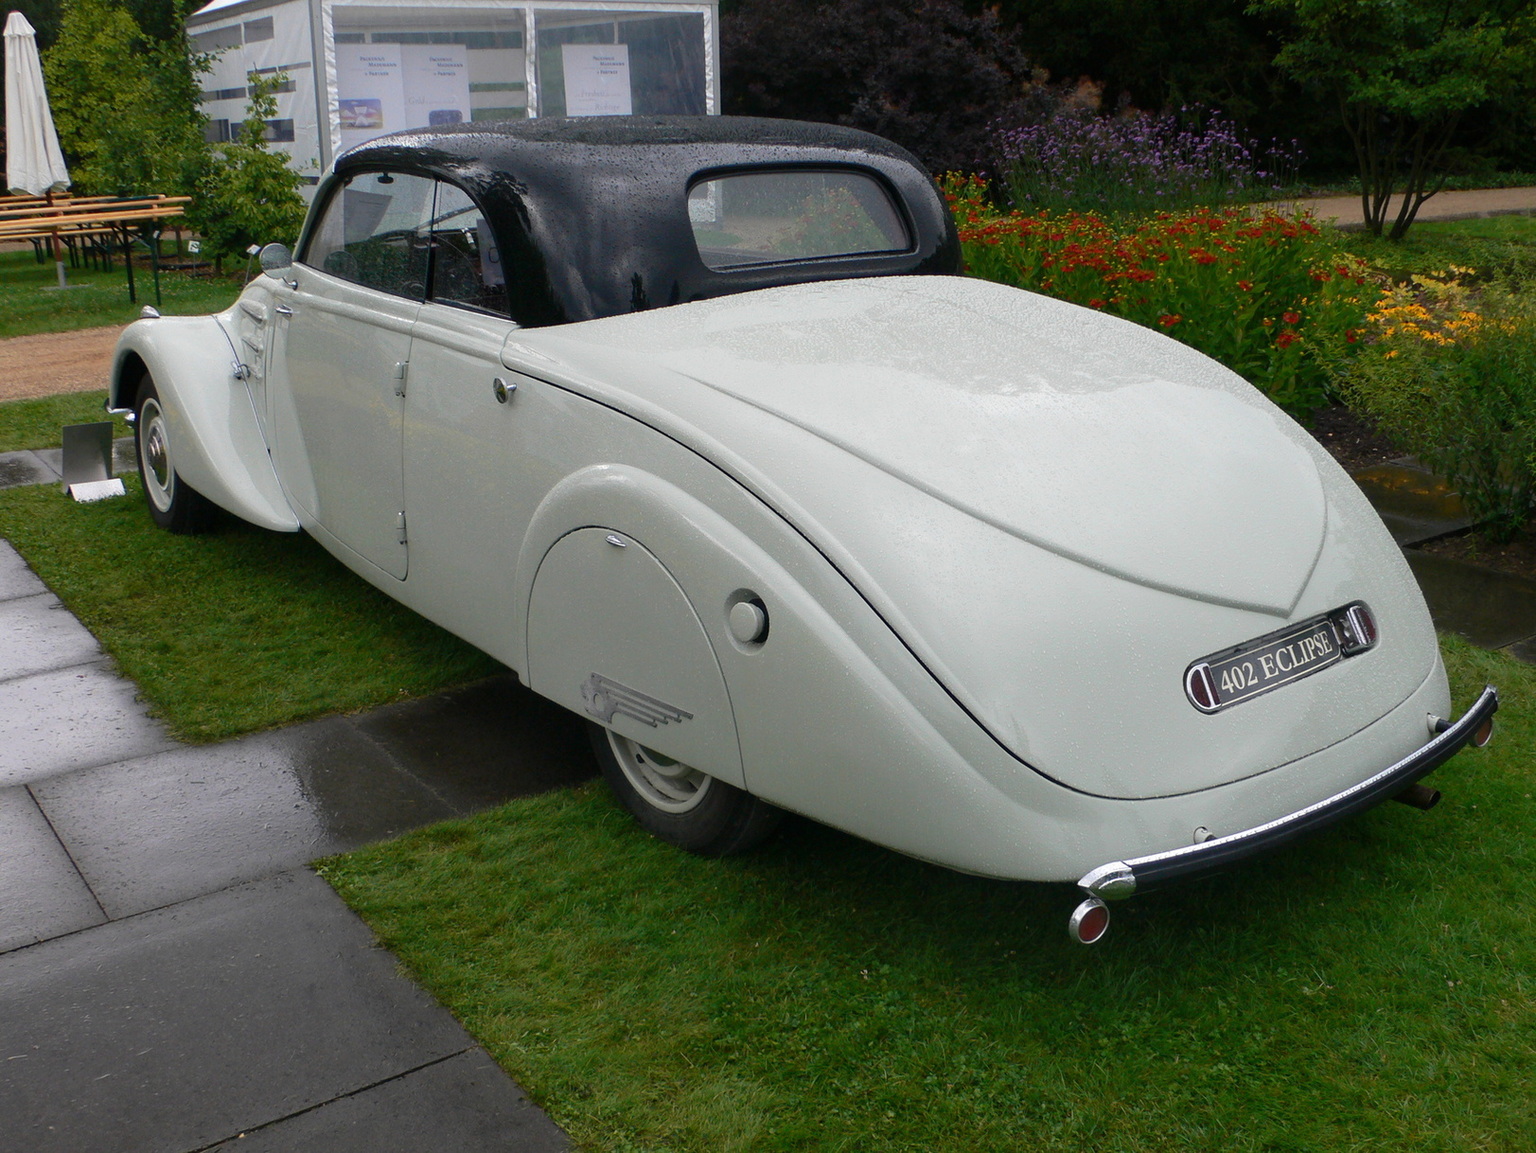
{"points": [[218, 445], [820, 725], [602, 615]]}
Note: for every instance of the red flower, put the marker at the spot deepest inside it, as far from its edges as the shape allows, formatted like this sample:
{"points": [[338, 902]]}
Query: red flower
{"points": [[1350, 335], [1098, 302], [1291, 317], [1285, 339], [1168, 320], [1245, 285]]}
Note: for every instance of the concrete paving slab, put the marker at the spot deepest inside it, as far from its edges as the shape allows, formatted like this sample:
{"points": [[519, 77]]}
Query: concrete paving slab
{"points": [[146, 833], [55, 721], [25, 467], [1491, 609], [16, 578], [185, 1027], [53, 459], [41, 893], [124, 458], [484, 744], [46, 465], [1414, 503], [41, 634], [465, 1104]]}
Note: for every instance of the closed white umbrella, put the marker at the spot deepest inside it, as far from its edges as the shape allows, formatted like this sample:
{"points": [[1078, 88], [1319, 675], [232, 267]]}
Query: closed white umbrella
{"points": [[34, 166]]}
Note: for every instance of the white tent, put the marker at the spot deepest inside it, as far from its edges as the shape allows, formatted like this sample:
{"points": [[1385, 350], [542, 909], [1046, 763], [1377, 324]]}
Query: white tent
{"points": [[358, 69], [34, 166]]}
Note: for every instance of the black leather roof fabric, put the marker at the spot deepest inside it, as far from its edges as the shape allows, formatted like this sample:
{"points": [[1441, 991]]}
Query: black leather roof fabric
{"points": [[591, 213]]}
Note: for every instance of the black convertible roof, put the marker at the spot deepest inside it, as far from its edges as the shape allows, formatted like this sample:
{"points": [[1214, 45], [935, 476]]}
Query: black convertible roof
{"points": [[593, 212]]}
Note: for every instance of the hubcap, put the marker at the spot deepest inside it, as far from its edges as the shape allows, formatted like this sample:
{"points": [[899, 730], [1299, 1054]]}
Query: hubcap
{"points": [[159, 479], [663, 783]]}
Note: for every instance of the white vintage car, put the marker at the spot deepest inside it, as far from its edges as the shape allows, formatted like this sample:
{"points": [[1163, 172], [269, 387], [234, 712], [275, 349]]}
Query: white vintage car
{"points": [[694, 424]]}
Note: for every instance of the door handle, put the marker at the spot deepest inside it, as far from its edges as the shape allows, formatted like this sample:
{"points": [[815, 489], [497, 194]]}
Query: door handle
{"points": [[283, 310]]}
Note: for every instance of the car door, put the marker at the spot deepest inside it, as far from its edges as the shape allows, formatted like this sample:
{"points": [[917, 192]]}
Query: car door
{"points": [[340, 369], [478, 457]]}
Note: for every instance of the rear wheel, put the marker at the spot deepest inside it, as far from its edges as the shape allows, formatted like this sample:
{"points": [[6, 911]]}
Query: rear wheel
{"points": [[173, 503], [678, 803]]}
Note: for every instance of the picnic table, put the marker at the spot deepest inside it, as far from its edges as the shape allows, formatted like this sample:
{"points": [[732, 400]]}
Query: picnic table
{"points": [[87, 219]]}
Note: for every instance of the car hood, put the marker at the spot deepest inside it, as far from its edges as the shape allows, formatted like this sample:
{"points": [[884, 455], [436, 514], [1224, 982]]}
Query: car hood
{"points": [[1077, 432]]}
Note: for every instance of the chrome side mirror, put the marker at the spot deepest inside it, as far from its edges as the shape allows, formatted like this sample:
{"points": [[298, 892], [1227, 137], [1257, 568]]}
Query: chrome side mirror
{"points": [[274, 258]]}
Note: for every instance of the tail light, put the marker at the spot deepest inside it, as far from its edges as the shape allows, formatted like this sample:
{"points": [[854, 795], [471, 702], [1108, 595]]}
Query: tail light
{"points": [[1357, 628], [1090, 921]]}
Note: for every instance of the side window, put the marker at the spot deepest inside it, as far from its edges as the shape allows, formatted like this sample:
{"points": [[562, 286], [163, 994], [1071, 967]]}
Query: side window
{"points": [[375, 233], [466, 265]]}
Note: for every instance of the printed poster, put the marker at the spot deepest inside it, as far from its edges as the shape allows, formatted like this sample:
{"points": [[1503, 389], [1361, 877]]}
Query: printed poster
{"points": [[371, 93], [436, 78], [597, 80]]}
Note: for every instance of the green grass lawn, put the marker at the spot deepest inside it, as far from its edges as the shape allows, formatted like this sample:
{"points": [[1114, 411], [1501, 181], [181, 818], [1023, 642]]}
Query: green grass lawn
{"points": [[40, 423], [1505, 245], [30, 304], [1373, 988], [239, 630]]}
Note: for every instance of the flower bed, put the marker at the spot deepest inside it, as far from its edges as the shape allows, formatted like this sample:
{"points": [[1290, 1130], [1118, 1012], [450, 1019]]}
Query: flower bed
{"points": [[1450, 373], [1267, 294], [1139, 162]]}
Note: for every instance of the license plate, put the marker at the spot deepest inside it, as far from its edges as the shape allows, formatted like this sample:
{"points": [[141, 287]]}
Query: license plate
{"points": [[1224, 679]]}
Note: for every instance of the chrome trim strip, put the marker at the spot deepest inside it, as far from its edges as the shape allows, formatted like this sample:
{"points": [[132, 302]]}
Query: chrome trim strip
{"points": [[1120, 879]]}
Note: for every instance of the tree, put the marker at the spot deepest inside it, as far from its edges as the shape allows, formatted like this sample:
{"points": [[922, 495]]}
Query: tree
{"points": [[126, 107], [924, 73], [1404, 74], [248, 195]]}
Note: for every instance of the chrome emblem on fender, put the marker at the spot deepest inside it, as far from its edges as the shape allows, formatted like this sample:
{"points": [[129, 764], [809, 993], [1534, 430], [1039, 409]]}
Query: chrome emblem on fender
{"points": [[606, 699]]}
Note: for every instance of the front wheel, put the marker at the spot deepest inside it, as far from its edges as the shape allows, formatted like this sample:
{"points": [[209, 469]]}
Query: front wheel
{"points": [[679, 804], [173, 503]]}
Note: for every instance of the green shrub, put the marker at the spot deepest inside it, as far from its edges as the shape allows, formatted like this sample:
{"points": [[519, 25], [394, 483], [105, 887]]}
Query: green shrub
{"points": [[1452, 378], [126, 105], [248, 195]]}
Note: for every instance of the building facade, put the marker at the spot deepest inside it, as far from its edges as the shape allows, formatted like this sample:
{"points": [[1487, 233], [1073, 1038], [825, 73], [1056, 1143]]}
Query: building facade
{"points": [[351, 71]]}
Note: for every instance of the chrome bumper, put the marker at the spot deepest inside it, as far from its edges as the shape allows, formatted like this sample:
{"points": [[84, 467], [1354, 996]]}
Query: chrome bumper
{"points": [[1120, 879]]}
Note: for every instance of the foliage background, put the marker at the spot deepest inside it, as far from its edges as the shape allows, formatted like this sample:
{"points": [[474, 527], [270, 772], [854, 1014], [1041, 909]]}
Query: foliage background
{"points": [[245, 193], [125, 103], [925, 73], [923, 70]]}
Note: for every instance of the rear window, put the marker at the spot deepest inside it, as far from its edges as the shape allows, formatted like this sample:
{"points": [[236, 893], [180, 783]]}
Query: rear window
{"points": [[749, 218]]}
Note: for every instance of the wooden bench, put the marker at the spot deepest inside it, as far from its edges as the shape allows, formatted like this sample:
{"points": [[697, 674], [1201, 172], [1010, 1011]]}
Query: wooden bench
{"points": [[86, 220]]}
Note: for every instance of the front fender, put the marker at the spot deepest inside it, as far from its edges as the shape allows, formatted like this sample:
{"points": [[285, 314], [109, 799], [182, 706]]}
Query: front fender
{"points": [[218, 445]]}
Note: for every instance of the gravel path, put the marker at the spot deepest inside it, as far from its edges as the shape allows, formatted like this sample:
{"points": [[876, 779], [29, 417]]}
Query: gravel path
{"points": [[56, 362], [1346, 211]]}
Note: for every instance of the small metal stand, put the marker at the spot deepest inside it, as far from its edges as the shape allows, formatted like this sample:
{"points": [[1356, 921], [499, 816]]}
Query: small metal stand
{"points": [[87, 464], [153, 244]]}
